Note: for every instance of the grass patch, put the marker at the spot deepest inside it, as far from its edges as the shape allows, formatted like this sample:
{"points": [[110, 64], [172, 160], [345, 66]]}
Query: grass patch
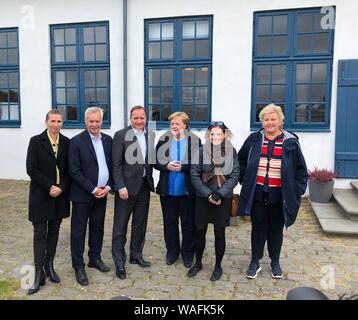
{"points": [[8, 288]]}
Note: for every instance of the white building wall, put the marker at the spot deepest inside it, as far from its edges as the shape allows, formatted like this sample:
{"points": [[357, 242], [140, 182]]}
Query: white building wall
{"points": [[33, 18]]}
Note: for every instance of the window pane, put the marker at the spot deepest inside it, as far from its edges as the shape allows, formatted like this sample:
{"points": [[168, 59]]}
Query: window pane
{"points": [[167, 95], [187, 76], [280, 44], [188, 29], [302, 92], [317, 18], [318, 92], [317, 113], [280, 24], [319, 72], [3, 56], [167, 50], [13, 80], [101, 78], [265, 25], [14, 111], [12, 39], [202, 29], [188, 49], [102, 95], [13, 56], [3, 43], [3, 80], [302, 113], [154, 77], [201, 113], [187, 95], [154, 31], [89, 78], [167, 77], [4, 110], [278, 92], [60, 78], [70, 36], [303, 72], [90, 96], [320, 42], [167, 31], [4, 96], [70, 53], [71, 78], [59, 36], [304, 22], [88, 35], [263, 45], [304, 43], [71, 96], [154, 95], [263, 74], [59, 54], [100, 33], [278, 73], [201, 76], [89, 53], [101, 52], [259, 107], [262, 93], [154, 113], [154, 50], [166, 112], [201, 95], [202, 48], [60, 96], [71, 112], [190, 111]]}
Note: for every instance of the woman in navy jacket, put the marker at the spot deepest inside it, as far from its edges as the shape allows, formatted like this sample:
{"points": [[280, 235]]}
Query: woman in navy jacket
{"points": [[273, 175]]}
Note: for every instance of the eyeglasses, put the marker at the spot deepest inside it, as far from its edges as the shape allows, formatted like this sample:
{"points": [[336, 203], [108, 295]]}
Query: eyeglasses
{"points": [[217, 123]]}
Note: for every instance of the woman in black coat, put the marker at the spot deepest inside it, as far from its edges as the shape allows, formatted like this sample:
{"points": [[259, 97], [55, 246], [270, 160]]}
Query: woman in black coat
{"points": [[273, 175], [214, 177], [46, 164]]}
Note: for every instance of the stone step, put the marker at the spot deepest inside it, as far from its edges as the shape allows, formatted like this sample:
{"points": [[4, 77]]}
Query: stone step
{"points": [[348, 200], [354, 184], [333, 220]]}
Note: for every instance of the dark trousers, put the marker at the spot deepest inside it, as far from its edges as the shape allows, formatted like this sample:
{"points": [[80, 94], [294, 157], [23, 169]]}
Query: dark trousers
{"points": [[139, 206], [220, 243], [267, 225], [93, 213], [45, 240], [174, 207]]}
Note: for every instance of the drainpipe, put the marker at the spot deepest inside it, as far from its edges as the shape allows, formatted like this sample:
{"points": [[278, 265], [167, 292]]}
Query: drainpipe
{"points": [[125, 76]]}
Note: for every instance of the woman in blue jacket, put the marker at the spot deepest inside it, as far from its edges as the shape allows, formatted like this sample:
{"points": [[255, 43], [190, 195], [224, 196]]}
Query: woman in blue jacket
{"points": [[273, 175]]}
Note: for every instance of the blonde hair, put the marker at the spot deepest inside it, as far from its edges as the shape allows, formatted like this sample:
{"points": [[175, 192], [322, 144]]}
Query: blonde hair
{"points": [[272, 108], [182, 115]]}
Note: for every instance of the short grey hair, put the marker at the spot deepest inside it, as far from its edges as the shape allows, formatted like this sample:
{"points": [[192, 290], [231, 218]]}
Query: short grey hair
{"points": [[272, 108], [93, 110]]}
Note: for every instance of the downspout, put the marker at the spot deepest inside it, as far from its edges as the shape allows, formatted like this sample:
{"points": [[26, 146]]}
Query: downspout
{"points": [[125, 75]]}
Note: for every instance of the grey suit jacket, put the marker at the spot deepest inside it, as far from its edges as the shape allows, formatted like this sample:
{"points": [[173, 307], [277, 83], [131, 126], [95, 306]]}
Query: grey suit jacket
{"points": [[128, 163]]}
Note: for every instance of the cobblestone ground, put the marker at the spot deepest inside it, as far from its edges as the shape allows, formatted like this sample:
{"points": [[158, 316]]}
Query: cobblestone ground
{"points": [[309, 258]]}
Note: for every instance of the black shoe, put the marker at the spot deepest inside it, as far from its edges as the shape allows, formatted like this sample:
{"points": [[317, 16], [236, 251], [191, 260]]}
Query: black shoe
{"points": [[217, 273], [194, 270], [50, 272], [40, 280], [170, 261], [141, 262], [121, 272], [188, 263], [99, 265], [81, 277]]}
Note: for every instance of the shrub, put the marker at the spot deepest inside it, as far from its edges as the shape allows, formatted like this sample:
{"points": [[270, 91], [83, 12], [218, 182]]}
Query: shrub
{"points": [[321, 175]]}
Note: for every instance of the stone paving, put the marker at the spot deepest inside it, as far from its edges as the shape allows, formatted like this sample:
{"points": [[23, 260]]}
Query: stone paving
{"points": [[309, 258]]}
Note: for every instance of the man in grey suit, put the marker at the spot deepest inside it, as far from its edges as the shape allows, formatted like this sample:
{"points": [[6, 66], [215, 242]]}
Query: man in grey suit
{"points": [[132, 150]]}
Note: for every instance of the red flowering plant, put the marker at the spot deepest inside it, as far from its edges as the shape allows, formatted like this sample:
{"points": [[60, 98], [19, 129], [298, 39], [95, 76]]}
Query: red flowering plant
{"points": [[321, 175]]}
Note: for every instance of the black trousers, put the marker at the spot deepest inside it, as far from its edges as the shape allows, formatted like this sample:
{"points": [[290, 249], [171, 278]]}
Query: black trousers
{"points": [[174, 207], [45, 240], [139, 206], [93, 213], [267, 225]]}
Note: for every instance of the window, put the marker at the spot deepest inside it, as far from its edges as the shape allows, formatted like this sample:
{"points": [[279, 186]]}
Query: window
{"points": [[9, 78], [292, 67], [80, 70], [178, 62]]}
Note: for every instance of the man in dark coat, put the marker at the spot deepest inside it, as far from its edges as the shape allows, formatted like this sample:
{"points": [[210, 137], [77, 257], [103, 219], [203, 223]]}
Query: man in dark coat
{"points": [[89, 164], [46, 164]]}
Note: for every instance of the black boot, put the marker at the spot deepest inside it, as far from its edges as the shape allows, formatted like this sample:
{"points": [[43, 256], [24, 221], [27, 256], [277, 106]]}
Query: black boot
{"points": [[40, 280], [50, 272]]}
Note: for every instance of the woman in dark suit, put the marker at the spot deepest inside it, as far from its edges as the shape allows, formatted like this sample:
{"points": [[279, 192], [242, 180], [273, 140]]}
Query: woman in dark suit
{"points": [[177, 195], [46, 164], [214, 177]]}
